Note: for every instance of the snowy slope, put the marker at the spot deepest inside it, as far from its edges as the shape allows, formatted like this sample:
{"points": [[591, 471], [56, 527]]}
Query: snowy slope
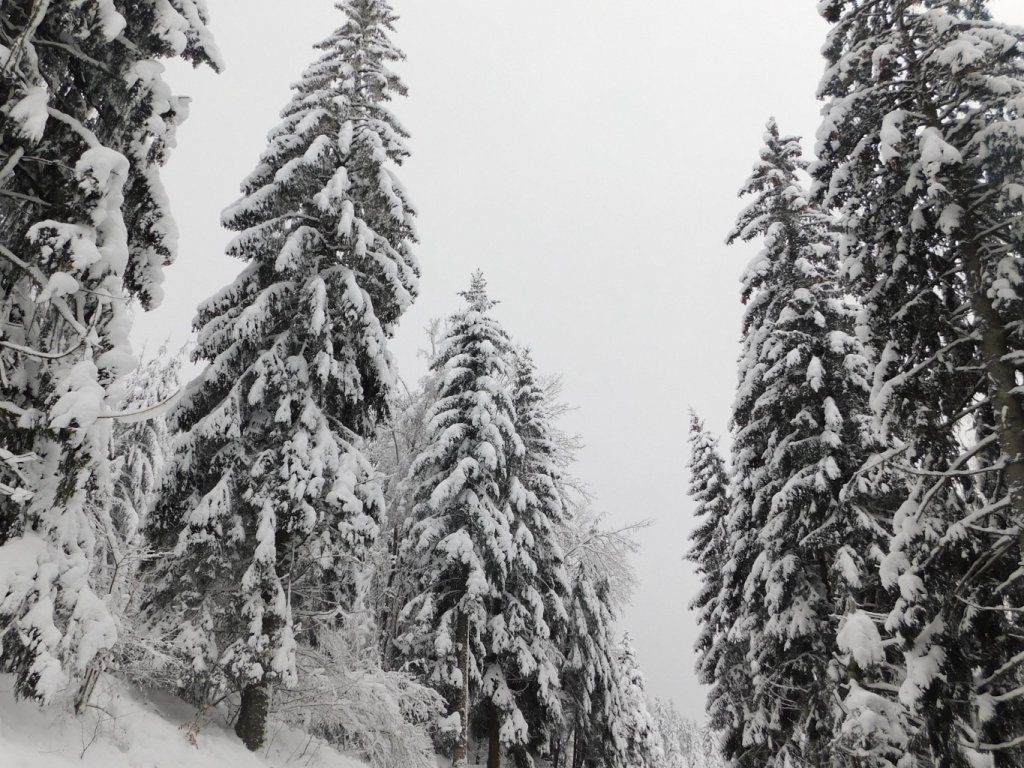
{"points": [[130, 728]]}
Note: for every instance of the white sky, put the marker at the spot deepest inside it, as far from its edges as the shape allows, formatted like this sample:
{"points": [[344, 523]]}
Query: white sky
{"points": [[585, 154]]}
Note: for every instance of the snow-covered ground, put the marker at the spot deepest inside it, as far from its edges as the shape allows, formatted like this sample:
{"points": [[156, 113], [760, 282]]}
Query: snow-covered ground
{"points": [[130, 728]]}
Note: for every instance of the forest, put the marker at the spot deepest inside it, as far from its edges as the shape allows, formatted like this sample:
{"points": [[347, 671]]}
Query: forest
{"points": [[270, 548]]}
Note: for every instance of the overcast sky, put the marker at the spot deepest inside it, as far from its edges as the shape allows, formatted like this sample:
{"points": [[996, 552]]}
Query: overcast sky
{"points": [[585, 154]]}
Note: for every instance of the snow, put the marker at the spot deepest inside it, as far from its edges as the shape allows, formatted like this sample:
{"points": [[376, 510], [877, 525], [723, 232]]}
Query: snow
{"points": [[859, 637], [80, 397], [131, 728], [111, 23], [30, 114], [891, 134]]}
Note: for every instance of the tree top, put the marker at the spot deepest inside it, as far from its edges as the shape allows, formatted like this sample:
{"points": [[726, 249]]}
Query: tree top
{"points": [[477, 296]]}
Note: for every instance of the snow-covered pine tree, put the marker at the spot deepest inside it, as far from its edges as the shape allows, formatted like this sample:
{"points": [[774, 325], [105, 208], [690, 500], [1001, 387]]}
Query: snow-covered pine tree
{"points": [[636, 726], [141, 440], [462, 535], [684, 743], [270, 502], [798, 430], [86, 122], [920, 152], [589, 677], [531, 611], [139, 447], [709, 490], [668, 724], [602, 577]]}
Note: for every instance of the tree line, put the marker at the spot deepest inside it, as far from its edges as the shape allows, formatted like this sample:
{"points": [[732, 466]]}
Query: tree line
{"points": [[861, 550]]}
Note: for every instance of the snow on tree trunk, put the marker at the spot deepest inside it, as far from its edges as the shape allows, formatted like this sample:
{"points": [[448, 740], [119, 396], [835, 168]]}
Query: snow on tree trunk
{"points": [[461, 749]]}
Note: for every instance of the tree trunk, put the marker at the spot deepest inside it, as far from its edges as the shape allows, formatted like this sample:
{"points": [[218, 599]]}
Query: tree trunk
{"points": [[1007, 405], [556, 755], [392, 605], [88, 686], [577, 753], [251, 725], [494, 738], [459, 753]]}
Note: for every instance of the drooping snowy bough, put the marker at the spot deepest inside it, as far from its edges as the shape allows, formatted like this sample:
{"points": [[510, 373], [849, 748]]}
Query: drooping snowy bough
{"points": [[86, 122]]}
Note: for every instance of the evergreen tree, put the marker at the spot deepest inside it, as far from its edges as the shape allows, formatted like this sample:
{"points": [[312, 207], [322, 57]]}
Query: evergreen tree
{"points": [[602, 578], [709, 489], [86, 122], [270, 502], [141, 441], [684, 743], [589, 676], [463, 536], [669, 726], [533, 606], [797, 435], [636, 727], [920, 153]]}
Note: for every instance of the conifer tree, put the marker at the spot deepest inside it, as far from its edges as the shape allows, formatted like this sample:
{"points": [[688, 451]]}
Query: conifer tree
{"points": [[532, 608], [589, 676], [637, 730], [86, 121], [920, 152], [709, 489], [669, 726], [462, 536], [270, 502], [797, 435], [141, 441]]}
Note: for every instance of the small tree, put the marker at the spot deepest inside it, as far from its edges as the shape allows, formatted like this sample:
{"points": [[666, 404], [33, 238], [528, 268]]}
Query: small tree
{"points": [[636, 727], [602, 577]]}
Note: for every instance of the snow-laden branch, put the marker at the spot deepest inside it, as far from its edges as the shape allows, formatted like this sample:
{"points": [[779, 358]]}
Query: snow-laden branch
{"points": [[137, 415]]}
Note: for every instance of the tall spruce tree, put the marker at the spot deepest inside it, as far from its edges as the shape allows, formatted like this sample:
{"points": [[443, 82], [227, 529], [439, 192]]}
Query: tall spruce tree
{"points": [[270, 502], [920, 152], [709, 490], [86, 121], [530, 614], [798, 427], [463, 537]]}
